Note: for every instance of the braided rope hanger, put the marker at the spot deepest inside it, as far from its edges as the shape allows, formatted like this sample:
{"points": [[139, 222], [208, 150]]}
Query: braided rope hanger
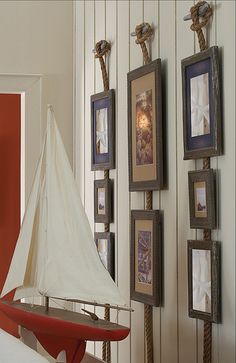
{"points": [[197, 27], [143, 32], [102, 48]]}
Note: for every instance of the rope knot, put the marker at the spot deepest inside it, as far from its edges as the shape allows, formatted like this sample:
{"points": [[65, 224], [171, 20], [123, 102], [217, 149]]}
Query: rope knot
{"points": [[196, 26], [143, 32], [102, 48], [143, 35]]}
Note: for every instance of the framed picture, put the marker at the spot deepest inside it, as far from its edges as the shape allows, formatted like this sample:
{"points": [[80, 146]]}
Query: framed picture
{"points": [[202, 199], [102, 201], [103, 130], [145, 127], [201, 105], [204, 280], [145, 255], [105, 246]]}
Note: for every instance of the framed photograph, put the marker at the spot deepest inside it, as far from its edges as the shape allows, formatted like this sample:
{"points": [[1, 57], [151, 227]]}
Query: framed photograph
{"points": [[204, 280], [105, 246], [102, 201], [202, 199], [146, 269], [201, 105], [145, 127], [103, 130]]}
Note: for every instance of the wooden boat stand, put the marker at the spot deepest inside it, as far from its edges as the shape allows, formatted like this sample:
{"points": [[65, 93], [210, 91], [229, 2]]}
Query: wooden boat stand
{"points": [[74, 348]]}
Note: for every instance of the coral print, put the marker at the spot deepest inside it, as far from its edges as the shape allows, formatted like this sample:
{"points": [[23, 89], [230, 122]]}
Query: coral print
{"points": [[144, 128]]}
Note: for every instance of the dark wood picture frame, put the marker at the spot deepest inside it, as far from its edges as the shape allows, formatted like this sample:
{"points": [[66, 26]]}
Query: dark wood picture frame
{"points": [[110, 250], [103, 212], [200, 72], [146, 278], [106, 159], [145, 143], [212, 305], [202, 204]]}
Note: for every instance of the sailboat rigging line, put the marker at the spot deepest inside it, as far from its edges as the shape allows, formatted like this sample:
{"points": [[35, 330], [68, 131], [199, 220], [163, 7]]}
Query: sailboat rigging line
{"points": [[57, 303], [116, 307]]}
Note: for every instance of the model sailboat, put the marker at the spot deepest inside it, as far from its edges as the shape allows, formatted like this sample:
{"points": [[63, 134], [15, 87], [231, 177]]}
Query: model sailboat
{"points": [[56, 256]]}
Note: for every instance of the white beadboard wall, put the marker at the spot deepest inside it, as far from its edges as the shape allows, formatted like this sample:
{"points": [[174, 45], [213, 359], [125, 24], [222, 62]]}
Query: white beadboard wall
{"points": [[177, 338]]}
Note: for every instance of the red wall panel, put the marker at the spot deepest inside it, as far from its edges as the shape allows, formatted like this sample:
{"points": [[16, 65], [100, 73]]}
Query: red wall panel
{"points": [[10, 124]]}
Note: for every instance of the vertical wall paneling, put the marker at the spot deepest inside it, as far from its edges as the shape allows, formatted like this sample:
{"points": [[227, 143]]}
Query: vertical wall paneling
{"points": [[168, 196], [151, 16], [137, 198], [89, 90], [186, 326], [226, 171], [123, 195], [111, 34], [177, 338], [99, 34], [79, 128], [79, 78], [212, 40], [209, 33]]}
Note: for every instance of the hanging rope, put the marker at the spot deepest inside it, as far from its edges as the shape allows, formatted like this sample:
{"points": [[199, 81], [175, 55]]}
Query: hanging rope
{"points": [[207, 342], [206, 232], [148, 321], [206, 163], [106, 225], [148, 196], [142, 36], [143, 33], [106, 346], [197, 25], [148, 326], [101, 49]]}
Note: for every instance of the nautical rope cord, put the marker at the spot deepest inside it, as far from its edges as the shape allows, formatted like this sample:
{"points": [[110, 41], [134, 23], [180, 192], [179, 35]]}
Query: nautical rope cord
{"points": [[144, 32], [101, 49], [197, 27]]}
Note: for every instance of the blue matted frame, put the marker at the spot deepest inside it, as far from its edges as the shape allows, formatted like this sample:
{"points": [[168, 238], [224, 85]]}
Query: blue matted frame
{"points": [[102, 100], [209, 144]]}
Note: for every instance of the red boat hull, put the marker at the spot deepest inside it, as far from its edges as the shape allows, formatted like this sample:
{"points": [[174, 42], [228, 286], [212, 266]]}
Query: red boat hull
{"points": [[58, 329]]}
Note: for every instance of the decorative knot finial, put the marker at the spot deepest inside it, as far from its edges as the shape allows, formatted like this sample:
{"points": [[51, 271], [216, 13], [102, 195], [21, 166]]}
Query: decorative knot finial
{"points": [[196, 13], [101, 48], [197, 25], [143, 32]]}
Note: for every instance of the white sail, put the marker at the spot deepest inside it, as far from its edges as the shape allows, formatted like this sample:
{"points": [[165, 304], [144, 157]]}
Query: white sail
{"points": [[55, 253]]}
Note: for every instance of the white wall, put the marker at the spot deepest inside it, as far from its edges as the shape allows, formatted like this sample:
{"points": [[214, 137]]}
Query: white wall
{"points": [[177, 338], [36, 37]]}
